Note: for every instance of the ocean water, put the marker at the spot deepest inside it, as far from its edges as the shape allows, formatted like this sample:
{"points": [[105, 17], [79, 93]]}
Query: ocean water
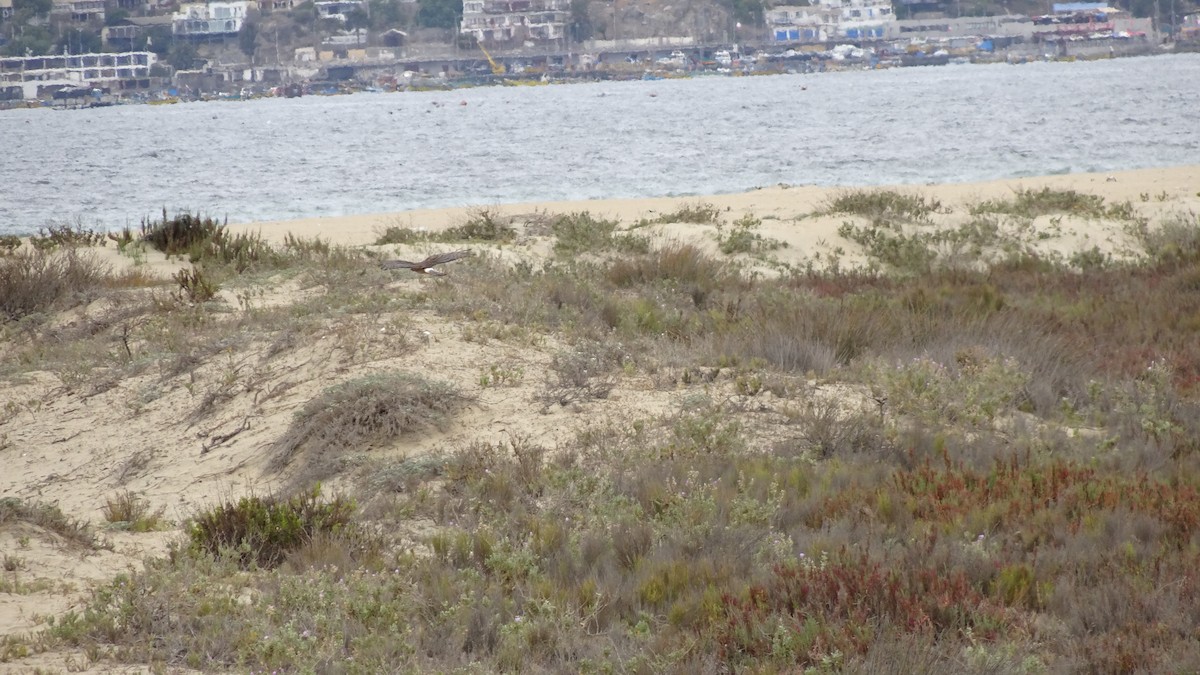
{"points": [[276, 159]]}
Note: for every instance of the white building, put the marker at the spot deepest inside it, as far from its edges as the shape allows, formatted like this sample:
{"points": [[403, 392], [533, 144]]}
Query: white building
{"points": [[76, 70], [831, 19], [79, 10], [505, 22], [816, 23], [337, 9], [201, 19]]}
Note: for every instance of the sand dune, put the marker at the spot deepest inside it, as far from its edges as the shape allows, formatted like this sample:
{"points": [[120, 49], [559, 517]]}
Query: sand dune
{"points": [[64, 439]]}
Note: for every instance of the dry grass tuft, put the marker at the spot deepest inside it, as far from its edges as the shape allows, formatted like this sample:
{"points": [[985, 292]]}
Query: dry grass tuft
{"points": [[33, 282], [127, 511], [369, 410], [49, 517]]}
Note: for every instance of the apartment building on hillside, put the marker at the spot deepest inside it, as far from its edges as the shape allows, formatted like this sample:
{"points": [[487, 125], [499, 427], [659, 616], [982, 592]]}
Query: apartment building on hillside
{"points": [[117, 71], [80, 11], [513, 23], [830, 19], [209, 19]]}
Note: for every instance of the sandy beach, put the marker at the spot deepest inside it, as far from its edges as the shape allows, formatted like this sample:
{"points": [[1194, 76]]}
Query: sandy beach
{"points": [[1168, 188], [185, 435]]}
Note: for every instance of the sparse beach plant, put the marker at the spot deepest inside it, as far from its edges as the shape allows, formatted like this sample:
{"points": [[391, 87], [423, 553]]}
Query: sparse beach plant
{"points": [[1031, 203], [128, 511], [883, 207], [912, 254], [195, 284], [47, 516], [306, 249], [9, 243], [833, 428], [1090, 259], [123, 238], [483, 223], [242, 251], [674, 261], [66, 235], [699, 213], [582, 374], [742, 238], [498, 375], [400, 235]]}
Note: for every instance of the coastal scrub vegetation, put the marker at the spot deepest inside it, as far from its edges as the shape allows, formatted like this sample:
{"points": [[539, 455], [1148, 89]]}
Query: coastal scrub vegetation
{"points": [[882, 206], [482, 224], [966, 455]]}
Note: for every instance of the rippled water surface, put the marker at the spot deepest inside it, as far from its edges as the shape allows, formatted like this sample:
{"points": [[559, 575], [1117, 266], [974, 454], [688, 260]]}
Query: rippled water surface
{"points": [[289, 158]]}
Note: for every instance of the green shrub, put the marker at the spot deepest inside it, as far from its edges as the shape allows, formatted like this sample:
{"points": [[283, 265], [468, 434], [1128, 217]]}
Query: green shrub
{"points": [[9, 243], [262, 531], [178, 235], [582, 233], [482, 224], [400, 235], [976, 391], [1176, 240]]}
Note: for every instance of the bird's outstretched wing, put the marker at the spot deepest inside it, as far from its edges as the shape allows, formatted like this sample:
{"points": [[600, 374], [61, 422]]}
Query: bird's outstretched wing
{"points": [[423, 265], [439, 258], [397, 265]]}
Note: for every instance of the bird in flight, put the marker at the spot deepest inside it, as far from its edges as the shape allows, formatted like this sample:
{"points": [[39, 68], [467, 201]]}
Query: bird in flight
{"points": [[426, 266]]}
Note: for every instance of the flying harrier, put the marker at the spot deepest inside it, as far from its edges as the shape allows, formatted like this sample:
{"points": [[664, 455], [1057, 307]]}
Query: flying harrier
{"points": [[426, 266]]}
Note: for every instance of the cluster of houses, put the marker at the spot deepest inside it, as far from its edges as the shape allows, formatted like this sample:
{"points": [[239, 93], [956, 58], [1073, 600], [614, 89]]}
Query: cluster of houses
{"points": [[857, 20], [520, 24]]}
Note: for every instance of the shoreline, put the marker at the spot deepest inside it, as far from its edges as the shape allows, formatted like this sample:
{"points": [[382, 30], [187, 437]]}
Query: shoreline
{"points": [[1176, 188]]}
